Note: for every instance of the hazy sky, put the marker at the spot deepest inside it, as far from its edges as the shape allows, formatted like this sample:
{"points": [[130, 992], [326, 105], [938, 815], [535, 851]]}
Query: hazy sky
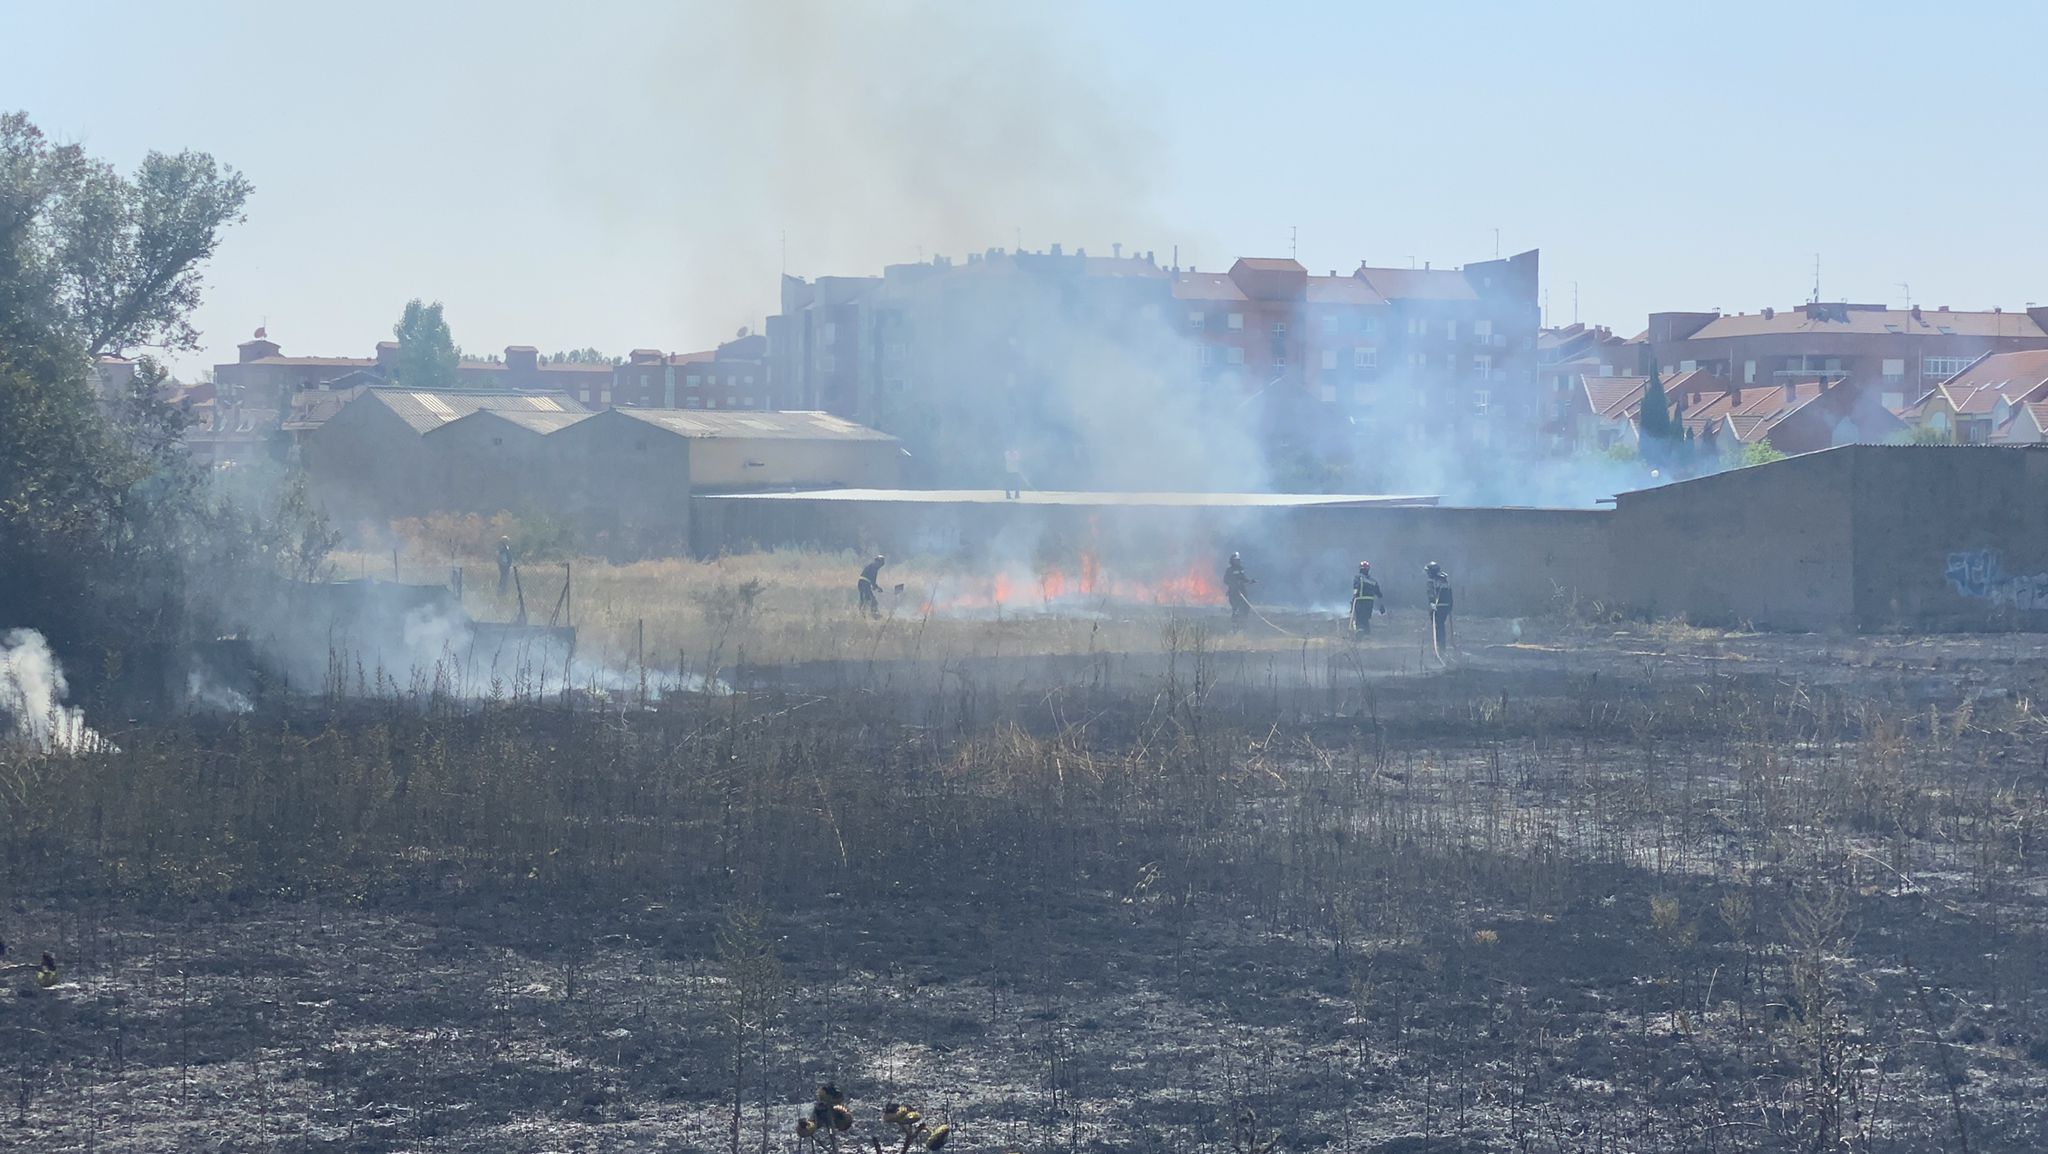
{"points": [[624, 174]]}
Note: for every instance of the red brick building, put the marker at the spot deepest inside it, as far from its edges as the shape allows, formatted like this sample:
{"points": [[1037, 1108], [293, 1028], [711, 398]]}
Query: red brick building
{"points": [[1906, 352]]}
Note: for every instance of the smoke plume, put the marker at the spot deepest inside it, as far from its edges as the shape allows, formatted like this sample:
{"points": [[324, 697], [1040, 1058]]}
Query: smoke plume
{"points": [[32, 691]]}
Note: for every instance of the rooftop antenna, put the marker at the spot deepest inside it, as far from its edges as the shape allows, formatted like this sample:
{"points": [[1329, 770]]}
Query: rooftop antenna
{"points": [[1909, 294], [1411, 262], [785, 252], [1546, 307], [1575, 302], [1496, 244], [1020, 241], [1816, 278], [1293, 242]]}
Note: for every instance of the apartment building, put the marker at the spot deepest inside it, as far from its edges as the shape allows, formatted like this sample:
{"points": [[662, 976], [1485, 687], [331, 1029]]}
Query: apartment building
{"points": [[1905, 352], [957, 359]]}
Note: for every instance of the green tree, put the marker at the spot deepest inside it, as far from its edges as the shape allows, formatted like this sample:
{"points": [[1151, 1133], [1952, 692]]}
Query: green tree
{"points": [[102, 512], [99, 261], [1760, 453], [427, 355], [1654, 426]]}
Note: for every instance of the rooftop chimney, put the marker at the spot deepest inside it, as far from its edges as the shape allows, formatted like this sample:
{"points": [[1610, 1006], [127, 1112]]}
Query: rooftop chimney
{"points": [[1916, 312], [1055, 248], [1942, 309], [1148, 257], [1116, 249], [1770, 313]]}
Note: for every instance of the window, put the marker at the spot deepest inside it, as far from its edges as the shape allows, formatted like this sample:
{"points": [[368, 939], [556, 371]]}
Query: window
{"points": [[1279, 358], [1482, 402], [1329, 358], [1234, 356], [497, 440], [1205, 356], [1943, 367], [1279, 328], [693, 380], [1482, 364], [1687, 366], [896, 386], [1236, 321], [1482, 329], [827, 363], [1450, 330], [728, 400], [1330, 325], [1329, 394], [1369, 325], [1892, 401], [604, 396], [748, 379], [1197, 320], [1606, 370], [1363, 358], [830, 333], [693, 403], [1749, 372], [1417, 327], [1894, 371], [892, 351]]}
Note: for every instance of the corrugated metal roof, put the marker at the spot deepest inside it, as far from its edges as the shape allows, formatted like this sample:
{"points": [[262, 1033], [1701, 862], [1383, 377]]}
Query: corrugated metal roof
{"points": [[749, 425], [1419, 283], [426, 411]]}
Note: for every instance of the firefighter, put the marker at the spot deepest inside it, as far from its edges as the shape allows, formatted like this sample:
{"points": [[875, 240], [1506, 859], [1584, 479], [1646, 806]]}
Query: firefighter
{"points": [[870, 585], [504, 563], [1365, 597], [1237, 584], [1439, 605]]}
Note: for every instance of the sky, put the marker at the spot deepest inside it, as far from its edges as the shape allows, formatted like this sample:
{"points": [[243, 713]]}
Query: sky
{"points": [[623, 175]]}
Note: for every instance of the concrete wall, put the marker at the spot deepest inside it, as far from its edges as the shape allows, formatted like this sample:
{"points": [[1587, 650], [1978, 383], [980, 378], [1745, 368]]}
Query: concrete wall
{"points": [[367, 465], [624, 484], [1504, 562], [483, 463], [1770, 547], [1951, 537]]}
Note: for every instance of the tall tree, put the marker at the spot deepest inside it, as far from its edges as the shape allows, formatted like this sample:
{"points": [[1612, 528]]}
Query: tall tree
{"points": [[101, 508], [101, 261], [427, 356], [1659, 433]]}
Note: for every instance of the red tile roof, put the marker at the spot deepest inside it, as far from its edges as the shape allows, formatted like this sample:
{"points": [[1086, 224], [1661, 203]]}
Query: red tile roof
{"points": [[1611, 397]]}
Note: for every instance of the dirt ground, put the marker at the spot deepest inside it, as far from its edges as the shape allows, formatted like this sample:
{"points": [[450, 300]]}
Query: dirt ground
{"points": [[1613, 889]]}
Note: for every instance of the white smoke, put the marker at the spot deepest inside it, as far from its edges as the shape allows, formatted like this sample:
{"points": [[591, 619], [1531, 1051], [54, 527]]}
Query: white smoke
{"points": [[32, 691]]}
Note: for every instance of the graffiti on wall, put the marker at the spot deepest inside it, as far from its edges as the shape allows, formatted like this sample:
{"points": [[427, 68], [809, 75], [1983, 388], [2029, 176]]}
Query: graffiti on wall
{"points": [[1979, 575]]}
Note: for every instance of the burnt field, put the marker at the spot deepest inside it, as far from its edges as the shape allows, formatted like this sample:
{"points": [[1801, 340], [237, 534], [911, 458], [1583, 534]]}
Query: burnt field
{"points": [[1660, 890]]}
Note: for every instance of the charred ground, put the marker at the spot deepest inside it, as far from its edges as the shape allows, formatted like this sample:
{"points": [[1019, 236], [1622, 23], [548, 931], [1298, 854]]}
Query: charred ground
{"points": [[1659, 890]]}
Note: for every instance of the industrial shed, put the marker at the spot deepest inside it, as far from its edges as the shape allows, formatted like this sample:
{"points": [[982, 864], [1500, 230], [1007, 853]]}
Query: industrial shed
{"points": [[623, 477], [373, 460]]}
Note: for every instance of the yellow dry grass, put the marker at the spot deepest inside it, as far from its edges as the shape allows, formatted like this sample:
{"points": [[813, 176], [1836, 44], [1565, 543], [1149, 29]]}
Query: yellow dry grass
{"points": [[789, 605]]}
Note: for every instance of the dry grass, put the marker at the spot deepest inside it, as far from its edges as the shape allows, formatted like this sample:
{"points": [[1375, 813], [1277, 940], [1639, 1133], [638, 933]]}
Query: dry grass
{"points": [[788, 605]]}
